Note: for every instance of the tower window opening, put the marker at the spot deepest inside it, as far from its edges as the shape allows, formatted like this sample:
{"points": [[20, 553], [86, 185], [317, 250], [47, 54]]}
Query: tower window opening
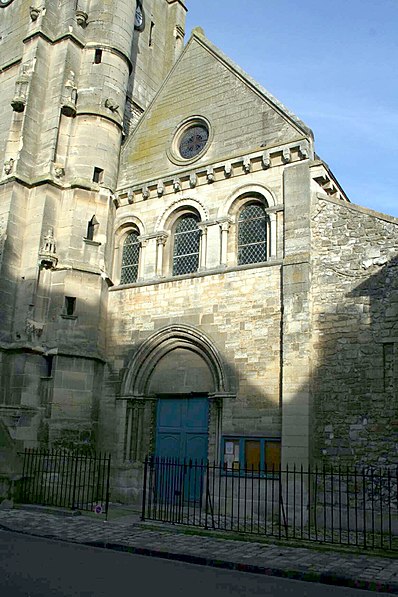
{"points": [[91, 228], [151, 34], [98, 175], [70, 305], [98, 57], [49, 360]]}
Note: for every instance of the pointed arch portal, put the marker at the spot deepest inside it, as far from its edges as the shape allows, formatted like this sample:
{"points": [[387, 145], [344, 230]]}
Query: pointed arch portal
{"points": [[180, 370]]}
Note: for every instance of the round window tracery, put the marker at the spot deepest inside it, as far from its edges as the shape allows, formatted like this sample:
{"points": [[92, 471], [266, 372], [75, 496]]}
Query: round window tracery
{"points": [[193, 141], [190, 141]]}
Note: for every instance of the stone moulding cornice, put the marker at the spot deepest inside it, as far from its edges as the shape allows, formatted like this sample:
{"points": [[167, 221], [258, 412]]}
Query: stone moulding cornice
{"points": [[233, 166], [323, 176], [221, 270], [7, 66], [180, 2], [42, 350], [98, 114], [66, 37]]}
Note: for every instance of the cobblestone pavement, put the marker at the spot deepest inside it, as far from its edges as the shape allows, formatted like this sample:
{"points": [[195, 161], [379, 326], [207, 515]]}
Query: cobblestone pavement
{"points": [[126, 533]]}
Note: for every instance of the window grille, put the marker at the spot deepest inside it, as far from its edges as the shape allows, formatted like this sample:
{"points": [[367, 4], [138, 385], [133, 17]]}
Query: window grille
{"points": [[186, 246], [130, 258], [252, 234]]}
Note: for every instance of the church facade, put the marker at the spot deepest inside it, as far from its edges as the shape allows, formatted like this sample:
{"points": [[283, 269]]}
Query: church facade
{"points": [[181, 274]]}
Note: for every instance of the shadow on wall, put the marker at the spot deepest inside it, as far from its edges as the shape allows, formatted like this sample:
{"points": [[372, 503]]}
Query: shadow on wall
{"points": [[355, 383]]}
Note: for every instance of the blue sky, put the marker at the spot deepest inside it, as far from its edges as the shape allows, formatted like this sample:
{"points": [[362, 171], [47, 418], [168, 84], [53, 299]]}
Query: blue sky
{"points": [[335, 65]]}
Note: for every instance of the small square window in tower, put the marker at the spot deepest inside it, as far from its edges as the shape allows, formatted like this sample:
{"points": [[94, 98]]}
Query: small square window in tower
{"points": [[98, 175], [70, 305]]}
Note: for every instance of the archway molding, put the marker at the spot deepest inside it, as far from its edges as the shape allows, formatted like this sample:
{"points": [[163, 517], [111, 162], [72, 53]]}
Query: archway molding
{"points": [[162, 342]]}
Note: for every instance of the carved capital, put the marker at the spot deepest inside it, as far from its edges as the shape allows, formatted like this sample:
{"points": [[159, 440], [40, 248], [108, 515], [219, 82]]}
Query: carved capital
{"points": [[161, 240]]}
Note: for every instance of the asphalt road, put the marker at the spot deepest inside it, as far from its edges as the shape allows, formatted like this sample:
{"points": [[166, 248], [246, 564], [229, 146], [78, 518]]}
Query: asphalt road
{"points": [[35, 567]]}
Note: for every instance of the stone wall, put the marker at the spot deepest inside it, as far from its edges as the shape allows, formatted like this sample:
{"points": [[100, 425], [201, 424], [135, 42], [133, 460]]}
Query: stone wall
{"points": [[355, 335]]}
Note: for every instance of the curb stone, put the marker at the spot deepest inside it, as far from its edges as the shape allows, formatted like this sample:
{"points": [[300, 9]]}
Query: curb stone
{"points": [[308, 576]]}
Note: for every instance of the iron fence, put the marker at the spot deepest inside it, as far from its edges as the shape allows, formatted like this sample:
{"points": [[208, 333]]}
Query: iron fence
{"points": [[344, 506], [66, 479]]}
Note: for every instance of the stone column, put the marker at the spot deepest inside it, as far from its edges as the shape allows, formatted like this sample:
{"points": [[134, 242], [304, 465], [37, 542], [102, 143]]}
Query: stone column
{"points": [[272, 234], [141, 263], [203, 247], [224, 226], [160, 243]]}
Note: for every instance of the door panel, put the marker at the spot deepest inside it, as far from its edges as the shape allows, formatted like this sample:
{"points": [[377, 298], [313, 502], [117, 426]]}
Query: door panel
{"points": [[182, 433]]}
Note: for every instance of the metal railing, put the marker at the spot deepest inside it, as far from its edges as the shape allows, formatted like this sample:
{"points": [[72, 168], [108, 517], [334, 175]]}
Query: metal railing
{"points": [[66, 479], [344, 506]]}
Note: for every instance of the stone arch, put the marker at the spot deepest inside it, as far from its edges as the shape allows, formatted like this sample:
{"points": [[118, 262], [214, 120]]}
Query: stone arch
{"points": [[177, 206], [255, 190], [160, 344]]}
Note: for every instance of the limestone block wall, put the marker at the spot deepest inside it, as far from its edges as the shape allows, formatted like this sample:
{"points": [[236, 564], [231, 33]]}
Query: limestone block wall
{"points": [[355, 325], [240, 313]]}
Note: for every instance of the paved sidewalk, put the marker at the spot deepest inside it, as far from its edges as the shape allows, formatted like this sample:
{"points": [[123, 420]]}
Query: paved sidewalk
{"points": [[125, 532]]}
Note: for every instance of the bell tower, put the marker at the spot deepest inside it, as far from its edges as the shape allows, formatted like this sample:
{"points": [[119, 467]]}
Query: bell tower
{"points": [[75, 77]]}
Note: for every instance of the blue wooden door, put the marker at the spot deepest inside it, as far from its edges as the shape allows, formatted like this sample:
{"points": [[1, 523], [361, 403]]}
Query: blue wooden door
{"points": [[182, 434]]}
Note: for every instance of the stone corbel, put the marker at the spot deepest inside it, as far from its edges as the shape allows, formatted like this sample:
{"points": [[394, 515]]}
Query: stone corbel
{"points": [[228, 170], [82, 18], [177, 185], [304, 151], [193, 180], [59, 171], [160, 188], [145, 192], [34, 13], [287, 155], [130, 196], [8, 166], [266, 160], [210, 174], [247, 166]]}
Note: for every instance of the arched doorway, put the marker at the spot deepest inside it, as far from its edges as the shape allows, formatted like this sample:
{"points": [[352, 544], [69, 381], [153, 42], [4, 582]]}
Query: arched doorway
{"points": [[182, 382]]}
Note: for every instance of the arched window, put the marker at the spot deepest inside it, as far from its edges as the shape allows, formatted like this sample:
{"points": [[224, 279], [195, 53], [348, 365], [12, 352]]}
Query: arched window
{"points": [[186, 245], [130, 258], [252, 234]]}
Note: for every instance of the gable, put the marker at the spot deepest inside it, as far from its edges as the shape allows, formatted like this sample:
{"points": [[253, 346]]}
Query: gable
{"points": [[241, 114]]}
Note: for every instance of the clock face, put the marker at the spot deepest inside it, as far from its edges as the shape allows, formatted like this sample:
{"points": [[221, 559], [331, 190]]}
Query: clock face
{"points": [[139, 17], [5, 3]]}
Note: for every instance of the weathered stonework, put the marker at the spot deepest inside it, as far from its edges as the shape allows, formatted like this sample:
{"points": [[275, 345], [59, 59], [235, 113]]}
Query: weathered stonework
{"points": [[298, 346]]}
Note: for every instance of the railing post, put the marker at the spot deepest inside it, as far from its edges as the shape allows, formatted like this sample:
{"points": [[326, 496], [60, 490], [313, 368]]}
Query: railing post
{"points": [[207, 492], [107, 487], [74, 483], [144, 489]]}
